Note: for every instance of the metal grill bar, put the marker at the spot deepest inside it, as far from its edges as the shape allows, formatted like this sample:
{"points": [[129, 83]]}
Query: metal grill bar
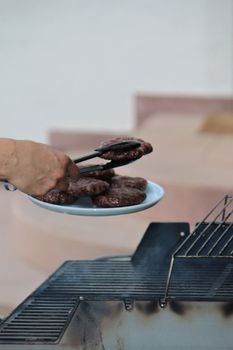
{"points": [[39, 319], [44, 316], [226, 199], [213, 233], [219, 240], [219, 210]]}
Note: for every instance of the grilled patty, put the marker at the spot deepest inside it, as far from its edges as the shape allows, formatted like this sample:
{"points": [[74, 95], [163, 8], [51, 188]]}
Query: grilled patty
{"points": [[86, 186], [55, 196], [128, 181], [132, 154], [119, 197]]}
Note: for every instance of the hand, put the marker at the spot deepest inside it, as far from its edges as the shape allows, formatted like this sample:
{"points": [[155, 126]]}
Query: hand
{"points": [[35, 168]]}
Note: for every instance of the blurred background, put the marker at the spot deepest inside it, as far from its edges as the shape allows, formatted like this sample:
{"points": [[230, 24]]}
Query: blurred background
{"points": [[76, 72]]}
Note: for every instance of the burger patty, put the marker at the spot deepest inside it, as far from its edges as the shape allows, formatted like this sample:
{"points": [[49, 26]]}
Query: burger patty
{"points": [[133, 154], [86, 186], [56, 196], [119, 197], [128, 181]]}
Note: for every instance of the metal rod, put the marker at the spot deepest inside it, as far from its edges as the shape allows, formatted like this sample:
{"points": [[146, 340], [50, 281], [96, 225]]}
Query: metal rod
{"points": [[213, 233], [224, 212], [219, 240], [226, 244], [163, 301], [200, 223], [207, 227], [225, 199]]}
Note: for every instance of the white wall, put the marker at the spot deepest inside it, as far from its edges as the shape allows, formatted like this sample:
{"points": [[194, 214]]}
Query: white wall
{"points": [[77, 64]]}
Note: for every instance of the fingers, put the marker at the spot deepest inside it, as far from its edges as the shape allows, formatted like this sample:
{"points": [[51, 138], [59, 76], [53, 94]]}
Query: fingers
{"points": [[72, 170], [62, 184]]}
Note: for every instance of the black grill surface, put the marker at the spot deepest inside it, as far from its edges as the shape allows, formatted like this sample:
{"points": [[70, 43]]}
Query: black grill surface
{"points": [[44, 315]]}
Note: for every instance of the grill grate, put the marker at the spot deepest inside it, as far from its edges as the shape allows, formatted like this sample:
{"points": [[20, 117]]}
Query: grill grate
{"points": [[208, 236], [211, 239], [40, 318], [44, 316]]}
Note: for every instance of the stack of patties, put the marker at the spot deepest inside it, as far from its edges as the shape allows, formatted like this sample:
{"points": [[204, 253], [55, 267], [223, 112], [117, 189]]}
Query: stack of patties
{"points": [[83, 187], [105, 187], [123, 191]]}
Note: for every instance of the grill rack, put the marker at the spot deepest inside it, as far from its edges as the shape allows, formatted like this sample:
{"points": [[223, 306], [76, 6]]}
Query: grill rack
{"points": [[212, 238]]}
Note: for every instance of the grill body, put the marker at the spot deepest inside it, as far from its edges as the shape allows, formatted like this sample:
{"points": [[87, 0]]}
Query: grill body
{"points": [[181, 325], [108, 325], [114, 303]]}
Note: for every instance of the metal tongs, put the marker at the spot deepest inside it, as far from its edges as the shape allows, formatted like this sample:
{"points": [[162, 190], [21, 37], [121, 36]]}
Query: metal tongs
{"points": [[120, 146]]}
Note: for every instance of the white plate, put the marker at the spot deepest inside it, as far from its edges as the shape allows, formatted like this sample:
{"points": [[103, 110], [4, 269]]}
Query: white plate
{"points": [[83, 206]]}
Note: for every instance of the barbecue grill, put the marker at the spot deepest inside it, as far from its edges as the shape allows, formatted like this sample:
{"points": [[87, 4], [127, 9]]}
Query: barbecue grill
{"points": [[174, 292]]}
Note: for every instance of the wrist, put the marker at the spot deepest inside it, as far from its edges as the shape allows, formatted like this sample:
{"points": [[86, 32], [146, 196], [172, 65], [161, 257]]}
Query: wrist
{"points": [[8, 159]]}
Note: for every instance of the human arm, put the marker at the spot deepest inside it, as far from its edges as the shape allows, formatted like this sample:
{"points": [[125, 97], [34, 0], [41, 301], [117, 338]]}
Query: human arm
{"points": [[35, 168]]}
